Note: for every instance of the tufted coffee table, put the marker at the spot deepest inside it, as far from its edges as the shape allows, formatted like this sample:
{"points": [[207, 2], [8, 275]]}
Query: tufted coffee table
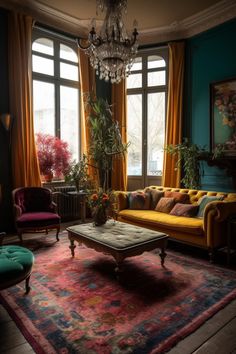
{"points": [[118, 239]]}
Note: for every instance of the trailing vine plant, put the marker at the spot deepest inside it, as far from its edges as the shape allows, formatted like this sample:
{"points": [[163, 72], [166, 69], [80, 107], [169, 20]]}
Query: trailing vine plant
{"points": [[189, 158]]}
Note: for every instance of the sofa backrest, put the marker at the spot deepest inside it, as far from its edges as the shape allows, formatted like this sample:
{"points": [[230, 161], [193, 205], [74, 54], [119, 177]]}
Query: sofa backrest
{"points": [[195, 195]]}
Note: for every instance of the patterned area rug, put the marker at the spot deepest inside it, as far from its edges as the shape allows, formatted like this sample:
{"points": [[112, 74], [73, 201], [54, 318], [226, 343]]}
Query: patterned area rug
{"points": [[78, 306]]}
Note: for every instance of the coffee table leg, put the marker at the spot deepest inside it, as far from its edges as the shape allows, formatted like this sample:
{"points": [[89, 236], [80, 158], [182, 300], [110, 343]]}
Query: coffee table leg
{"points": [[72, 247], [162, 255]]}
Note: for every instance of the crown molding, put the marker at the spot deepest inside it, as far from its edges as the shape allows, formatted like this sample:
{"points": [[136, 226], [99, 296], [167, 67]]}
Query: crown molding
{"points": [[217, 14]]}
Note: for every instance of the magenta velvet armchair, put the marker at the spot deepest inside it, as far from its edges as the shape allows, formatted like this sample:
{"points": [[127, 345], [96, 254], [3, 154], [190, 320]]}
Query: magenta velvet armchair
{"points": [[34, 210]]}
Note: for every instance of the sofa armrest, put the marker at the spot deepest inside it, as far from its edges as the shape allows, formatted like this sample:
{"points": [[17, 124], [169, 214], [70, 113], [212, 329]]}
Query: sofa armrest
{"points": [[221, 210], [17, 211], [216, 212], [121, 200]]}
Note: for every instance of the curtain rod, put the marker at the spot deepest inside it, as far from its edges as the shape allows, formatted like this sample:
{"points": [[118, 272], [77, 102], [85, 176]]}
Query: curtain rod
{"points": [[55, 33]]}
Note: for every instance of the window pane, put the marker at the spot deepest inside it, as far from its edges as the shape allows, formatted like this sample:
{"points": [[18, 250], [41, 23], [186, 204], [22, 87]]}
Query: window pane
{"points": [[69, 72], [155, 133], [69, 118], [157, 78], [43, 65], [43, 45], [44, 107], [137, 64], [134, 80], [68, 53], [134, 129], [154, 61]]}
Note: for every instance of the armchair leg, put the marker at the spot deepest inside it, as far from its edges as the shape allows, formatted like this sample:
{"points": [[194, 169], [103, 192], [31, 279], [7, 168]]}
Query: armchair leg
{"points": [[58, 230], [211, 254], [19, 233]]}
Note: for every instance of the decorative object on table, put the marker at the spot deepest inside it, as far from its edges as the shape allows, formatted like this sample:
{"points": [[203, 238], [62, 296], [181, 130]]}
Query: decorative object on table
{"points": [[78, 306], [105, 138], [53, 155], [223, 115], [99, 203], [111, 52], [78, 174]]}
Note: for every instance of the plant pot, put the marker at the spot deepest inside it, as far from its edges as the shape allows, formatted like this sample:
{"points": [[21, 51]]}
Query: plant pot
{"points": [[99, 216], [48, 176]]}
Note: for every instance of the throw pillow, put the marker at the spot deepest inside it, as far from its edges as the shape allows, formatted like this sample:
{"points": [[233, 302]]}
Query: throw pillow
{"points": [[184, 210], [179, 197], [165, 205], [139, 200], [203, 202], [155, 196]]}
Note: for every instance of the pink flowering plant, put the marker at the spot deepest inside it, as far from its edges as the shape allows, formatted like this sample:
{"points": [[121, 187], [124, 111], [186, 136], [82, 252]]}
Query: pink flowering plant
{"points": [[53, 154]]}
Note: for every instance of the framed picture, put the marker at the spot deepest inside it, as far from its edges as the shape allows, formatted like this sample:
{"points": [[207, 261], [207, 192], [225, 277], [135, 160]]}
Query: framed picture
{"points": [[223, 115]]}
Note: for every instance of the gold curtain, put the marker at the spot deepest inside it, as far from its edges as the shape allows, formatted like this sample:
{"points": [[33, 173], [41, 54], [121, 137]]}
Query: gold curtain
{"points": [[87, 86], [171, 177], [119, 104], [25, 165]]}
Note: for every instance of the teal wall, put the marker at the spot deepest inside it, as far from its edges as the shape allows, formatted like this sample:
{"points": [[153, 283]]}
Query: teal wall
{"points": [[210, 57]]}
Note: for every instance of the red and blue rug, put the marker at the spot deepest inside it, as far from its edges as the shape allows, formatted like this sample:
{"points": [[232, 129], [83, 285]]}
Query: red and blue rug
{"points": [[78, 306]]}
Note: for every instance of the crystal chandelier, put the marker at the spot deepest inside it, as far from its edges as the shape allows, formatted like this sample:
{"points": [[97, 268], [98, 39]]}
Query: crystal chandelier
{"points": [[111, 52]]}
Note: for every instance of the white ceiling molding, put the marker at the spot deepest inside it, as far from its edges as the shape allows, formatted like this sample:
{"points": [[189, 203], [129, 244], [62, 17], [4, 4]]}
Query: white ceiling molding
{"points": [[214, 15], [217, 14]]}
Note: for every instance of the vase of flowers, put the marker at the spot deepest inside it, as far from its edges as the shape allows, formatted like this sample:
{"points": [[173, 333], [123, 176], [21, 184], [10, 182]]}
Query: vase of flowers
{"points": [[99, 203]]}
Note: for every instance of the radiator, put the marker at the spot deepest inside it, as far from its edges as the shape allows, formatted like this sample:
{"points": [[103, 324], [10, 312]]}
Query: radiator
{"points": [[68, 206]]}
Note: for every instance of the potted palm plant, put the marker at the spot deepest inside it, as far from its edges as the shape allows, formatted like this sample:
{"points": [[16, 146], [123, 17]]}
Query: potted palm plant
{"points": [[106, 142]]}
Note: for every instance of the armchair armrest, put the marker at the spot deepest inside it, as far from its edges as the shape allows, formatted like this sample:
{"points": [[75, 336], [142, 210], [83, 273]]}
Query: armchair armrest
{"points": [[122, 200], [53, 207], [17, 210]]}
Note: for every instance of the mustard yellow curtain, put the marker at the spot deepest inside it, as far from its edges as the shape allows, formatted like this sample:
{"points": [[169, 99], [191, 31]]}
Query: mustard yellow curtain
{"points": [[87, 86], [171, 177], [25, 165], [119, 106]]}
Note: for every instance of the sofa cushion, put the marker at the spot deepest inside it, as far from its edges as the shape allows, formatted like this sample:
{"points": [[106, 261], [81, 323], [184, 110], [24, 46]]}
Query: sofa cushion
{"points": [[155, 196], [139, 200], [179, 197], [203, 202], [165, 205], [164, 221], [187, 210]]}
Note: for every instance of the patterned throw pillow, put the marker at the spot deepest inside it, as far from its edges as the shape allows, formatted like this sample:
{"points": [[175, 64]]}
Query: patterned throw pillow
{"points": [[184, 210], [179, 197], [155, 196], [139, 200], [165, 205], [204, 201]]}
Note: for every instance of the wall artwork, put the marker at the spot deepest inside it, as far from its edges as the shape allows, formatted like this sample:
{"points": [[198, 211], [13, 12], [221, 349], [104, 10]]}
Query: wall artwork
{"points": [[223, 116]]}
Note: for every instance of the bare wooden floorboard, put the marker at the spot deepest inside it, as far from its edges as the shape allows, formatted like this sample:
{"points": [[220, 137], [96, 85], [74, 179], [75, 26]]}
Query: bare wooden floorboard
{"points": [[20, 349], [222, 342], [205, 333]]}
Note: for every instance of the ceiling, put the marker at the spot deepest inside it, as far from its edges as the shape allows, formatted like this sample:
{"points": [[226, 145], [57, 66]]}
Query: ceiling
{"points": [[158, 20]]}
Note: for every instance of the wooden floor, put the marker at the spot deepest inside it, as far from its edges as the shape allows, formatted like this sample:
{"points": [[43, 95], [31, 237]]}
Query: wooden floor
{"points": [[216, 336]]}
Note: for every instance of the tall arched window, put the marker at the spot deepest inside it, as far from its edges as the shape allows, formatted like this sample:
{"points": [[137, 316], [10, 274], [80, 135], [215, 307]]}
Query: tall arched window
{"points": [[56, 88], [146, 112]]}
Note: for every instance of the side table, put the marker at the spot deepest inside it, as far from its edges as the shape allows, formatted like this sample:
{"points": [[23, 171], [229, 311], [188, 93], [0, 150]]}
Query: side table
{"points": [[231, 233], [83, 197]]}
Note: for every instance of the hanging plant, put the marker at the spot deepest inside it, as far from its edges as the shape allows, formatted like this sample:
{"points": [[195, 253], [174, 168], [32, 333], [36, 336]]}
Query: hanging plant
{"points": [[189, 159]]}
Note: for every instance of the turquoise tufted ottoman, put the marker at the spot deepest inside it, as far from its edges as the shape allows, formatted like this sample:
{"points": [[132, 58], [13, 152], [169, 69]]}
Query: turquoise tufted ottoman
{"points": [[15, 265]]}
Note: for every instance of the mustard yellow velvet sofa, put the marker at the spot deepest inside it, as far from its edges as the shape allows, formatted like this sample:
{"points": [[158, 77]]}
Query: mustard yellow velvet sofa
{"points": [[208, 232]]}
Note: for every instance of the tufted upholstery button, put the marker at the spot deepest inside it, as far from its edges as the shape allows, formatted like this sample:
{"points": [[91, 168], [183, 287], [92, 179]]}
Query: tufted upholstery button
{"points": [[15, 265]]}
